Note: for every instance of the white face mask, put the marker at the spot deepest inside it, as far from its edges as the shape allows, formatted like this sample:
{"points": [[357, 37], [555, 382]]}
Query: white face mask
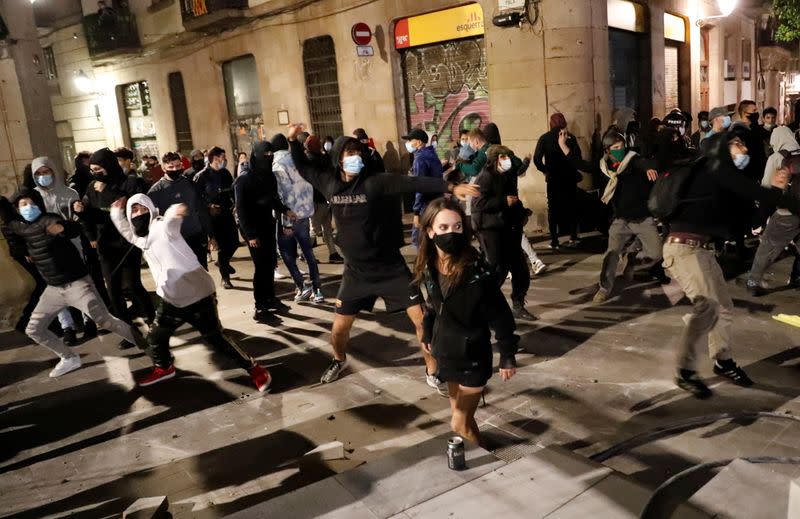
{"points": [[327, 146], [434, 144], [504, 165], [768, 126], [410, 148]]}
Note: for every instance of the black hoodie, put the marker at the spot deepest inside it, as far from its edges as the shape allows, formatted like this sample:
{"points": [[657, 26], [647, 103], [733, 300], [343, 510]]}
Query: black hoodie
{"points": [[96, 216], [56, 257], [256, 195], [367, 232], [80, 179], [714, 186]]}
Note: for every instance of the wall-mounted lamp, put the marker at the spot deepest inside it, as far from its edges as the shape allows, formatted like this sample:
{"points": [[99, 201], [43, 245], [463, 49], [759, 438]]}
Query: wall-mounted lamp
{"points": [[82, 82], [726, 7]]}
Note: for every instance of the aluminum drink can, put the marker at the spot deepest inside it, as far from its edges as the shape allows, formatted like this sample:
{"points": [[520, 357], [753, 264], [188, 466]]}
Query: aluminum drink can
{"points": [[456, 460]]}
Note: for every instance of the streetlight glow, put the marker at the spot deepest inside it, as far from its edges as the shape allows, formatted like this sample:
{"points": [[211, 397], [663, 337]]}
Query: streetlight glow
{"points": [[726, 6], [83, 82]]}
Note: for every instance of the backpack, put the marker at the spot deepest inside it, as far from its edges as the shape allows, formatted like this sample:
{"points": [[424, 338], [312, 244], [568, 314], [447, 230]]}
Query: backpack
{"points": [[669, 190]]}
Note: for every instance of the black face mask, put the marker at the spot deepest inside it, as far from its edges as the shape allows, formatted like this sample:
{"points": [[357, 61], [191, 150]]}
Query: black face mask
{"points": [[753, 118], [100, 177], [451, 242], [141, 225], [198, 164], [173, 175]]}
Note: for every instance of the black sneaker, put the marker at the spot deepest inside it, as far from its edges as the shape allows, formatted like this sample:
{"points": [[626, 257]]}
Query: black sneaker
{"points": [[89, 330], [125, 344], [519, 312], [226, 283], [335, 258], [264, 316], [70, 338], [730, 370], [276, 305], [333, 371], [689, 381]]}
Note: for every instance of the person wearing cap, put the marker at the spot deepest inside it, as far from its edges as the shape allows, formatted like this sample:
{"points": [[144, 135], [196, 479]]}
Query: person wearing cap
{"points": [[121, 265], [426, 164], [631, 178], [368, 237], [48, 239], [719, 119], [702, 128]]}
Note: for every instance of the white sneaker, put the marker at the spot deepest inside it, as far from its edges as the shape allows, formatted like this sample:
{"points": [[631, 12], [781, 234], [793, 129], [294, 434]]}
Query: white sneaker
{"points": [[278, 275], [318, 297], [538, 267], [438, 385], [66, 365], [303, 295]]}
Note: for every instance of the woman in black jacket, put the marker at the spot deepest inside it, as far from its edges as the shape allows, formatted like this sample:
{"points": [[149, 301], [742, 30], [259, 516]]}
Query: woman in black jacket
{"points": [[499, 216], [463, 303]]}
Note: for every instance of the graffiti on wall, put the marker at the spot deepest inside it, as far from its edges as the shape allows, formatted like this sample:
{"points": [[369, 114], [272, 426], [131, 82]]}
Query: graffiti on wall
{"points": [[446, 88]]}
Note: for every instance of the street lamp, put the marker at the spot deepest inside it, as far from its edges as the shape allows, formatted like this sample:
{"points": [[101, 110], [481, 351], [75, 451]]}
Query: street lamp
{"points": [[726, 7], [83, 82]]}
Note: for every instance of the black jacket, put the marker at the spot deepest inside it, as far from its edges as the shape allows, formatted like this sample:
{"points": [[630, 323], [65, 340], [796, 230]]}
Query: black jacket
{"points": [[458, 326], [716, 183], [96, 216], [490, 210], [367, 232], [56, 257], [182, 190], [633, 190], [559, 169], [256, 194]]}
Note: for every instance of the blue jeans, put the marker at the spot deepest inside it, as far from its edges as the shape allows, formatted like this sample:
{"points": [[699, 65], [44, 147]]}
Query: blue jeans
{"points": [[287, 244]]}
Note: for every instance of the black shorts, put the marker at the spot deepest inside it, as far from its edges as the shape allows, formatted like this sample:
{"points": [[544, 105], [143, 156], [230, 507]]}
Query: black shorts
{"points": [[362, 286], [477, 377]]}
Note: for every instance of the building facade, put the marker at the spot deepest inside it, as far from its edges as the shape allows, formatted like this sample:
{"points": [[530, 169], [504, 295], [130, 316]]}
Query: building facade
{"points": [[162, 75]]}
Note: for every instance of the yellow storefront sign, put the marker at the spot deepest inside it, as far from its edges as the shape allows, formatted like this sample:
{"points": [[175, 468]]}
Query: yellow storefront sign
{"points": [[450, 24]]}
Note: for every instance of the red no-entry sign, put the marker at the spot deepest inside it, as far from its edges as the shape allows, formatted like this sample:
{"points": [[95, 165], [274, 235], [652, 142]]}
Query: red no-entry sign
{"points": [[361, 33]]}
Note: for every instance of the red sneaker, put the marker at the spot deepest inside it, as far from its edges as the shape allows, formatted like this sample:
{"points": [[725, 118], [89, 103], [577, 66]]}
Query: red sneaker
{"points": [[260, 377], [156, 376]]}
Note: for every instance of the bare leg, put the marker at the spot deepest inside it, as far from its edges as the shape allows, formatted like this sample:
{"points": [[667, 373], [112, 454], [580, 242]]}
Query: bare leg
{"points": [[416, 315], [463, 403], [340, 335]]}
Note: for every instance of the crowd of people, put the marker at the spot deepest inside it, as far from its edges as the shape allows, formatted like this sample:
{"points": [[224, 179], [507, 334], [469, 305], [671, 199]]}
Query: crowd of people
{"points": [[668, 198]]}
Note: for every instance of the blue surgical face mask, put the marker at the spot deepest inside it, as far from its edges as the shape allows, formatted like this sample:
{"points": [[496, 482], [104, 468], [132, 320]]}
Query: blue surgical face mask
{"points": [[223, 164], [726, 122], [353, 164], [30, 212], [740, 160], [410, 148], [45, 180]]}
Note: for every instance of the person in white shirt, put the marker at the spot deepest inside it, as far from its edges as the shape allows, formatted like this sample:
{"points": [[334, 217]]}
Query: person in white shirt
{"points": [[186, 289]]}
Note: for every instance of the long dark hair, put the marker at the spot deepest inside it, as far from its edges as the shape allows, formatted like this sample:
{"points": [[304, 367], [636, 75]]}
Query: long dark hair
{"points": [[428, 254]]}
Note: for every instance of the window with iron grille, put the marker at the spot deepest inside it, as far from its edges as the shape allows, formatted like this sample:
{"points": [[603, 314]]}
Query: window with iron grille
{"points": [[180, 113], [322, 86], [50, 63]]}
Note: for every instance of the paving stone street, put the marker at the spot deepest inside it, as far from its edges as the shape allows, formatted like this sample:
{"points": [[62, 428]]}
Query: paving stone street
{"points": [[591, 376]]}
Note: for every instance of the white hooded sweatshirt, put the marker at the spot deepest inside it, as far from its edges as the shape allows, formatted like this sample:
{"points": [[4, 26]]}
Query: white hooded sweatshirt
{"points": [[180, 279], [57, 197], [781, 139]]}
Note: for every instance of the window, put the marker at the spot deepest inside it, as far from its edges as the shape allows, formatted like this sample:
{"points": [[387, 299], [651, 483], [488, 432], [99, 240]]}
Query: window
{"points": [[322, 86], [180, 113], [729, 56], [746, 58], [50, 63], [243, 96]]}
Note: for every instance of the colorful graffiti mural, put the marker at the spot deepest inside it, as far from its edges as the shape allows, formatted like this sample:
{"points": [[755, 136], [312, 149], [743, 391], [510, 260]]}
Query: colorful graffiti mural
{"points": [[446, 88]]}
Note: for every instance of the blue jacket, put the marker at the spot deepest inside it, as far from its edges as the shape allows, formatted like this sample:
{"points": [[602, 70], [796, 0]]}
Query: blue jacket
{"points": [[426, 164]]}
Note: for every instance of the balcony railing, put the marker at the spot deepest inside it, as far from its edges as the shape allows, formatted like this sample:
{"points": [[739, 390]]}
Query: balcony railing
{"points": [[202, 14], [111, 34]]}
